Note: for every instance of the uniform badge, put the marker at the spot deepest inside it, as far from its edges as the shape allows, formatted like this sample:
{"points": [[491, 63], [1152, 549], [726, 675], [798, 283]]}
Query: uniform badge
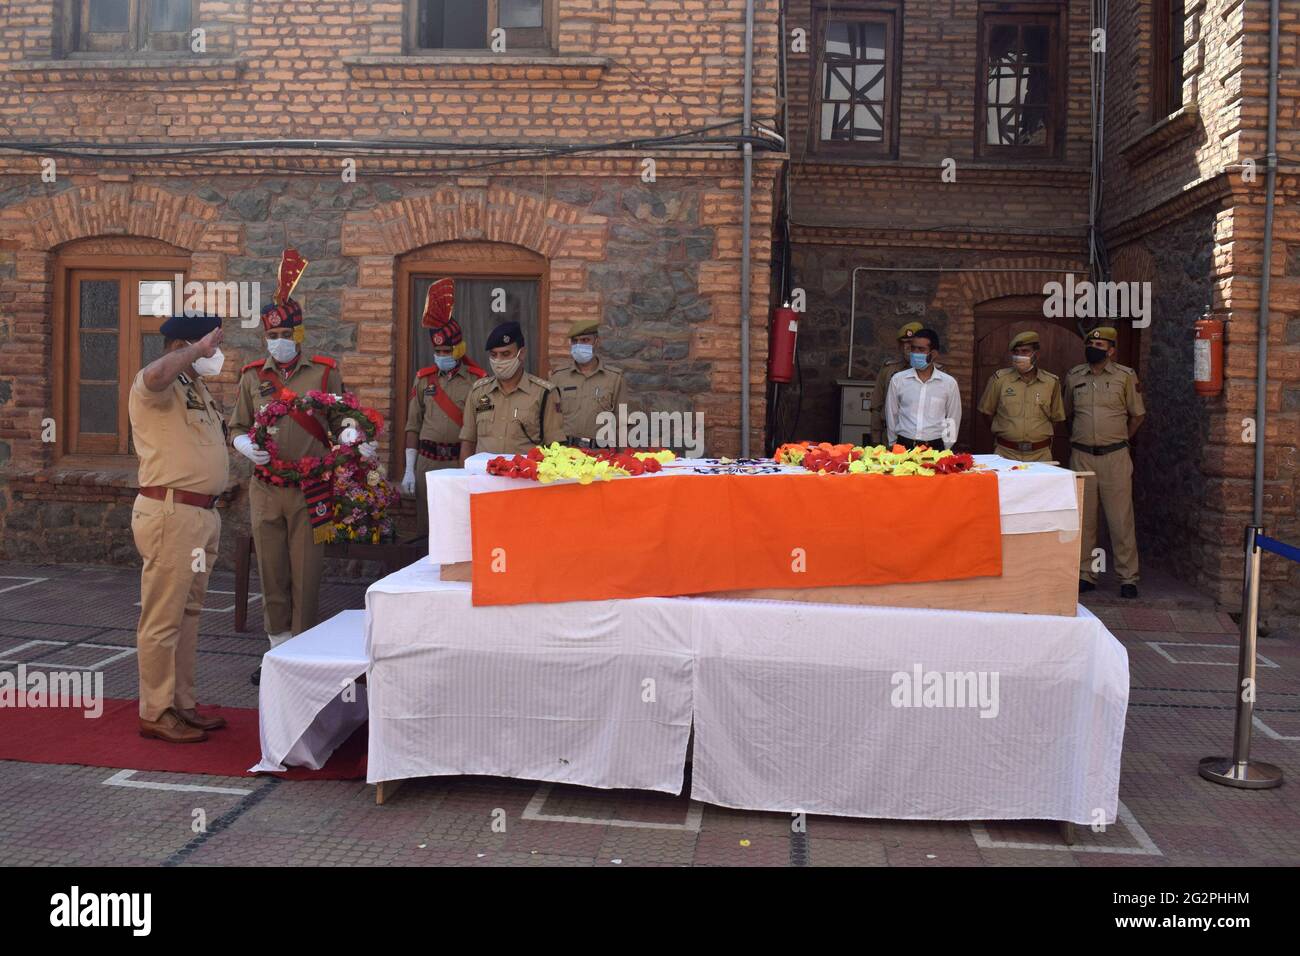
{"points": [[265, 388], [484, 405], [431, 391]]}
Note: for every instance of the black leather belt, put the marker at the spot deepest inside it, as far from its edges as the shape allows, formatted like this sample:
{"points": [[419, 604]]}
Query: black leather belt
{"points": [[439, 451], [910, 443], [1024, 445], [1099, 449]]}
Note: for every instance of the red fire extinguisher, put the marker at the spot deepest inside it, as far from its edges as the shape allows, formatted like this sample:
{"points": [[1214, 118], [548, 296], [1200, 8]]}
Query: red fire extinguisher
{"points": [[1207, 357], [780, 344]]}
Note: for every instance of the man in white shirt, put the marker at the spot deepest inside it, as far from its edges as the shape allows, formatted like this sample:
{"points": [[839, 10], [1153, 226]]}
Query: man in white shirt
{"points": [[923, 405]]}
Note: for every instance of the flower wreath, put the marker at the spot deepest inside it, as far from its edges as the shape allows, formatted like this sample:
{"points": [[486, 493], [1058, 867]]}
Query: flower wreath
{"points": [[554, 462], [339, 411], [827, 459]]}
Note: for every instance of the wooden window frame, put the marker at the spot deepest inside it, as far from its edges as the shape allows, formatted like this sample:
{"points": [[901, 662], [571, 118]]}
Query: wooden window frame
{"points": [[468, 260], [523, 40], [138, 38], [1051, 15], [1163, 87], [891, 14], [131, 270]]}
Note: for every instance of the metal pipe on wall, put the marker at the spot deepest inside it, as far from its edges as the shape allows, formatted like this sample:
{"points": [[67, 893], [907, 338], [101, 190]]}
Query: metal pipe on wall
{"points": [[747, 193], [853, 289], [1270, 193]]}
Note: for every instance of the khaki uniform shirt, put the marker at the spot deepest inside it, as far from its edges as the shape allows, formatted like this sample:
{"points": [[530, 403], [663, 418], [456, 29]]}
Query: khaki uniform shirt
{"points": [[512, 424], [586, 395], [887, 371], [425, 417], [179, 436], [262, 381], [1103, 403], [1023, 411]]}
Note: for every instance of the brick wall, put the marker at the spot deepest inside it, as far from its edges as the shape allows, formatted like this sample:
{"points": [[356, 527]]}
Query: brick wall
{"points": [[1179, 194], [899, 214], [658, 261]]}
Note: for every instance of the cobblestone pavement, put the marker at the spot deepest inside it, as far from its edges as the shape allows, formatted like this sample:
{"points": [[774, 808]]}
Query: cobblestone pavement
{"points": [[1182, 657]]}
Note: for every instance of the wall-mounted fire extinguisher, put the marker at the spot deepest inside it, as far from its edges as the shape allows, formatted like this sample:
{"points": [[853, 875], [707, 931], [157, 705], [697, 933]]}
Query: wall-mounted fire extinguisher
{"points": [[1207, 357], [781, 344]]}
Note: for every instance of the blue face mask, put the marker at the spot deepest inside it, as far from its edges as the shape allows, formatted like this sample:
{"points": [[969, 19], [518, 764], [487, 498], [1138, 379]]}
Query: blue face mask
{"points": [[446, 363], [919, 360], [581, 353]]}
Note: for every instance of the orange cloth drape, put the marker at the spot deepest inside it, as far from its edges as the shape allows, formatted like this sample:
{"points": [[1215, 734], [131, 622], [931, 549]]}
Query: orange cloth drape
{"points": [[692, 534]]}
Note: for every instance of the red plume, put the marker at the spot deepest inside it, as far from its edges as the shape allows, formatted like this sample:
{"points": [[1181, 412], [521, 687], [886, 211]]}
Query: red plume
{"points": [[292, 266], [438, 305]]}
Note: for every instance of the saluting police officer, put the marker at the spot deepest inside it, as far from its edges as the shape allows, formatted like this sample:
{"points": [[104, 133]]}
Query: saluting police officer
{"points": [[436, 411], [180, 439], [1106, 401], [510, 411], [890, 368], [1024, 402], [588, 387]]}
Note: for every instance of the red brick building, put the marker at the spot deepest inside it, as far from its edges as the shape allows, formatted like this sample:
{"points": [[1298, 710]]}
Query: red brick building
{"points": [[538, 165], [880, 236], [938, 165]]}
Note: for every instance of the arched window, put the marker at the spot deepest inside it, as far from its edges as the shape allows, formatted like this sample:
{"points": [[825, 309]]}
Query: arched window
{"points": [[110, 298]]}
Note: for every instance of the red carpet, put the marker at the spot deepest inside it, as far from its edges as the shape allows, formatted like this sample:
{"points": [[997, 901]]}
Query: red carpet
{"points": [[65, 736]]}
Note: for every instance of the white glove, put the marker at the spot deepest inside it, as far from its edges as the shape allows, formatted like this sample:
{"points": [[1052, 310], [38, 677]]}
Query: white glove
{"points": [[368, 449], [245, 446], [408, 479], [348, 436]]}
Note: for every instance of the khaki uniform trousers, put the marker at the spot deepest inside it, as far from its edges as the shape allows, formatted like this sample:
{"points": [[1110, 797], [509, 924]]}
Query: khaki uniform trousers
{"points": [[178, 544], [289, 561], [1113, 484], [1042, 454], [422, 467]]}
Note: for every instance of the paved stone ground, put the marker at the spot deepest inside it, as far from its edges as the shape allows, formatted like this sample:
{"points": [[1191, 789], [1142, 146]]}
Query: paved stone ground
{"points": [[1182, 657]]}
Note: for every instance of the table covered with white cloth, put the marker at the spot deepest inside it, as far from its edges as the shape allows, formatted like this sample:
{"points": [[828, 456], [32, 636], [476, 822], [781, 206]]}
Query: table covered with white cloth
{"points": [[836, 709], [310, 699]]}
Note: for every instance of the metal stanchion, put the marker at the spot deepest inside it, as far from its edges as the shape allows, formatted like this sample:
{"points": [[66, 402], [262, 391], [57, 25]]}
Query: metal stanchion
{"points": [[1238, 770]]}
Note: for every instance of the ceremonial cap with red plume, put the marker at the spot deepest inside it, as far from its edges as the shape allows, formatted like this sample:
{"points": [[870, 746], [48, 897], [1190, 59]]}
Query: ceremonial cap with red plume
{"points": [[439, 306], [284, 312]]}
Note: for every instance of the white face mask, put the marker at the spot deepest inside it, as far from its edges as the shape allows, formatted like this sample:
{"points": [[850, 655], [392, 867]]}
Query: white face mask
{"points": [[1023, 362], [282, 350], [210, 366], [505, 368]]}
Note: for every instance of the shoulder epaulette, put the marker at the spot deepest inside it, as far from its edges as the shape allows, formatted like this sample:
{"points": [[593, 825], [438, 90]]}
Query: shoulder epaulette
{"points": [[324, 360], [548, 385], [1078, 368], [256, 364], [614, 369], [427, 372], [565, 368], [1125, 368], [1053, 375]]}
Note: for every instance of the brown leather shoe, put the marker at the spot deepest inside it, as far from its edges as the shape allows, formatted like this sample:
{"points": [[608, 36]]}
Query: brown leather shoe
{"points": [[172, 729], [195, 719]]}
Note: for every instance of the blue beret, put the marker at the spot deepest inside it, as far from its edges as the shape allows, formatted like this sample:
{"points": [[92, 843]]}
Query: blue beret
{"points": [[507, 333], [191, 328]]}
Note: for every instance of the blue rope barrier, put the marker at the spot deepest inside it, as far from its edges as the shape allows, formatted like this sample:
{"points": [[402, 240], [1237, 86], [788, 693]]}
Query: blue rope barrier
{"points": [[1289, 551]]}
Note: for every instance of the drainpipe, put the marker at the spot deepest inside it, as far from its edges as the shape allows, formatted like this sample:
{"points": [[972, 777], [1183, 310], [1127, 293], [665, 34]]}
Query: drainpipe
{"points": [[1270, 192], [747, 193]]}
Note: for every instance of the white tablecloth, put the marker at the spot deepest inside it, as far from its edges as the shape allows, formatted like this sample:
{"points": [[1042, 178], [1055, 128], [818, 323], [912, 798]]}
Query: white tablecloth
{"points": [[596, 694], [793, 704], [1038, 498], [302, 714]]}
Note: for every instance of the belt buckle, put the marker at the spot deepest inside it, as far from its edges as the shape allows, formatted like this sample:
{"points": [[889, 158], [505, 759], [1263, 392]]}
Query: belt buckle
{"points": [[1025, 446]]}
